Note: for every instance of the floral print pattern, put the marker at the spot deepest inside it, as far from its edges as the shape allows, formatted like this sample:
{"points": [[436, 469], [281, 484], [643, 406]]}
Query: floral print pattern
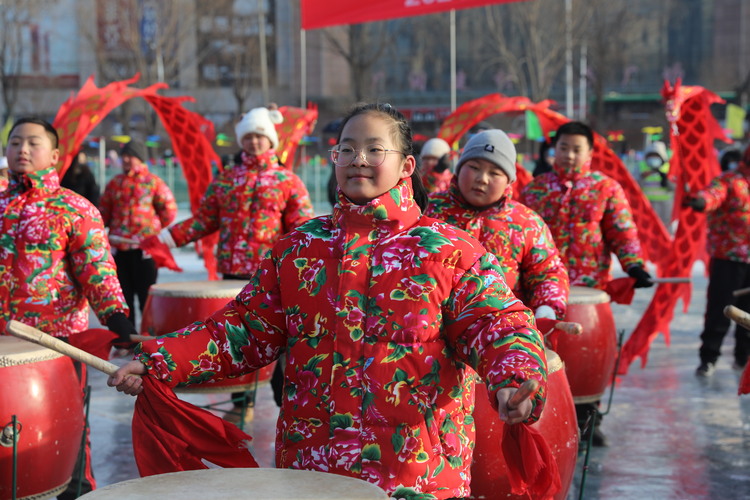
{"points": [[54, 258], [728, 207], [136, 205], [251, 205], [437, 181], [519, 239], [376, 384], [590, 219]]}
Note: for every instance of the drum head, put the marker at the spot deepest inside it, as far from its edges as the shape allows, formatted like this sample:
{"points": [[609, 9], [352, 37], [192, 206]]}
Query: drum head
{"points": [[14, 351], [199, 289], [586, 295], [263, 483]]}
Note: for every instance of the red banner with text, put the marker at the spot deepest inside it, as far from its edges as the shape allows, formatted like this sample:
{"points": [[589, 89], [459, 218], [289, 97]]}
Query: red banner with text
{"points": [[323, 13]]}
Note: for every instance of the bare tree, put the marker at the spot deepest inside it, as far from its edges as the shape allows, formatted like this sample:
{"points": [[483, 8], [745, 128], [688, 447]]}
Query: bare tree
{"points": [[15, 17], [527, 41], [362, 47]]}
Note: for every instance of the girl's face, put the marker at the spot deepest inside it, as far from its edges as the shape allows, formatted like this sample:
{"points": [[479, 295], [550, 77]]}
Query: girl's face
{"points": [[255, 144], [360, 181], [30, 149], [481, 182]]}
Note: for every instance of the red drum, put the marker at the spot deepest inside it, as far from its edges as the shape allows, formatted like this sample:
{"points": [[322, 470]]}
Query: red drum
{"points": [[489, 472], [41, 388], [590, 357], [173, 306]]}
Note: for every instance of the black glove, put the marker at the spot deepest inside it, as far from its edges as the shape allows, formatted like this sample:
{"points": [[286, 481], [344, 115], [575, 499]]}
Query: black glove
{"points": [[696, 203], [642, 278], [444, 163], [121, 325]]}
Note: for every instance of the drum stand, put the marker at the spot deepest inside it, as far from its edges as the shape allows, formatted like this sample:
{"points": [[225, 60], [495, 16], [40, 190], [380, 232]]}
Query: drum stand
{"points": [[594, 416], [81, 462], [12, 432], [247, 399], [10, 435]]}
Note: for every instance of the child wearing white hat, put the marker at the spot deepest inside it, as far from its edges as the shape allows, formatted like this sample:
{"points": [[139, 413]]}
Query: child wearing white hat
{"points": [[251, 204]]}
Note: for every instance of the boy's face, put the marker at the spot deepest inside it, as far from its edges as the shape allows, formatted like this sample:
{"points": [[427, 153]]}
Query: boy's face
{"points": [[481, 182], [30, 149], [572, 152]]}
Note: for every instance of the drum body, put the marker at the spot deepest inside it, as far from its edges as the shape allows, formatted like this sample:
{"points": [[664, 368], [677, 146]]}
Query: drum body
{"points": [[260, 484], [489, 471], [41, 388], [173, 306], [590, 357]]}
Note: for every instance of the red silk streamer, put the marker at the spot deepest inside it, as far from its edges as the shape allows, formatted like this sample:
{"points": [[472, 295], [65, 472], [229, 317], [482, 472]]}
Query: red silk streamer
{"points": [[96, 341], [621, 290], [745, 381], [297, 123], [191, 134], [693, 164], [523, 177], [160, 252], [532, 469], [171, 435]]}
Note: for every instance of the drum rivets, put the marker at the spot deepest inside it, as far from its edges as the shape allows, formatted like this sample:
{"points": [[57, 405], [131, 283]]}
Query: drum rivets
{"points": [[6, 438]]}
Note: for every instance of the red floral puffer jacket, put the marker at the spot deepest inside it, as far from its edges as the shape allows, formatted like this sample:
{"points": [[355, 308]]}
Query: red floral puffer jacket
{"points": [[251, 205], [54, 258], [590, 219], [136, 205], [379, 311], [728, 207], [519, 239]]}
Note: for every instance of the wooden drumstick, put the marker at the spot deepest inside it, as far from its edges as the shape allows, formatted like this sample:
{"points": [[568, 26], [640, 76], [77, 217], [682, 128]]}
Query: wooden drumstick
{"points": [[26, 332], [569, 327], [672, 279], [737, 315], [740, 292], [527, 390], [141, 338]]}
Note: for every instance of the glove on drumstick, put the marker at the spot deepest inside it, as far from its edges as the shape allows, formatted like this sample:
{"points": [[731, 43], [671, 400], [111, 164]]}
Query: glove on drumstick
{"points": [[121, 325]]}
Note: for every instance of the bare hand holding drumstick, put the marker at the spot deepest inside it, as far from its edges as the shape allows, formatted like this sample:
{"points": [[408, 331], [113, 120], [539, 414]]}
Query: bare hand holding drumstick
{"points": [[514, 405], [127, 378]]}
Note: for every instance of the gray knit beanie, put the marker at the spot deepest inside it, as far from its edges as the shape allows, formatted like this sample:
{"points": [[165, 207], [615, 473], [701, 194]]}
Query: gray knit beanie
{"points": [[492, 145]]}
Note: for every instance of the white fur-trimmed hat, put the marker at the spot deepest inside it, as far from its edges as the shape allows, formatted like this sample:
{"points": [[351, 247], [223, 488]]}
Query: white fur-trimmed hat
{"points": [[259, 121], [436, 147]]}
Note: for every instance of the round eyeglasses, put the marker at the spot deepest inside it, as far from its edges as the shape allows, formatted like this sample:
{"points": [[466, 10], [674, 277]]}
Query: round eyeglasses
{"points": [[374, 155]]}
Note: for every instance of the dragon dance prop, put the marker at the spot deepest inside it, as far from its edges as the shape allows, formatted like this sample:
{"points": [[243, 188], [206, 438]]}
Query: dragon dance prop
{"points": [[693, 130], [191, 135]]}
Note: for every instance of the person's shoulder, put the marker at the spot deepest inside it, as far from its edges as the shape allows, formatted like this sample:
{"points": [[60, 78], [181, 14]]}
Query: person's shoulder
{"points": [[448, 235], [77, 204]]}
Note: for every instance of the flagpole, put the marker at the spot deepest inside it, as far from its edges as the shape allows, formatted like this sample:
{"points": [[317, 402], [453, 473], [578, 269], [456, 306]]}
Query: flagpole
{"points": [[453, 59], [102, 163], [303, 68], [568, 59], [263, 57]]}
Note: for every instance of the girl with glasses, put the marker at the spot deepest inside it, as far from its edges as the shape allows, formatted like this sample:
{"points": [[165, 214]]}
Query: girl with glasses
{"points": [[380, 311]]}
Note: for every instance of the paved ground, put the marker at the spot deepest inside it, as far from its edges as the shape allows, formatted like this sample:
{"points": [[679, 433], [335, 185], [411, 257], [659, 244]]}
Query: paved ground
{"points": [[672, 435]]}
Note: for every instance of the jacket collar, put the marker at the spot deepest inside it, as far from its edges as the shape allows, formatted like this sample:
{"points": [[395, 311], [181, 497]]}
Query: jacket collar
{"points": [[44, 178], [395, 209], [137, 169], [269, 159]]}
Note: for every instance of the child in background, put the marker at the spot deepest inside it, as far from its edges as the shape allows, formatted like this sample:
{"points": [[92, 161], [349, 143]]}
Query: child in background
{"points": [[251, 205], [479, 202], [436, 165], [380, 311]]}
